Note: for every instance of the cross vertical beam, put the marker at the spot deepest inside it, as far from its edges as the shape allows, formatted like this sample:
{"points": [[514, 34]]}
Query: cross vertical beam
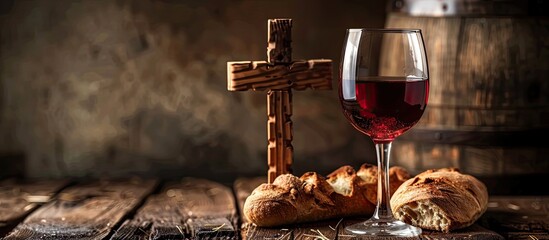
{"points": [[280, 155]]}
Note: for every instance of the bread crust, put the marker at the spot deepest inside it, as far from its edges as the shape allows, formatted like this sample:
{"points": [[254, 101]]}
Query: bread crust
{"points": [[312, 197], [450, 199]]}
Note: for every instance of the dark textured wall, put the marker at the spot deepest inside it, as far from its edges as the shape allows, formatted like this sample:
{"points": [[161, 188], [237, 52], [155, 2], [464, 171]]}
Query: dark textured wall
{"points": [[93, 88]]}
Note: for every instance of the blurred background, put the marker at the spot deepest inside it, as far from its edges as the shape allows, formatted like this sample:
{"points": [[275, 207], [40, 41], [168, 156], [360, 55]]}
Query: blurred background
{"points": [[96, 88]]}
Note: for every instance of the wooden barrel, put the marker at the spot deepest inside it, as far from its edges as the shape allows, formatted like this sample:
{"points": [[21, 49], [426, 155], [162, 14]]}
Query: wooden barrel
{"points": [[488, 109]]}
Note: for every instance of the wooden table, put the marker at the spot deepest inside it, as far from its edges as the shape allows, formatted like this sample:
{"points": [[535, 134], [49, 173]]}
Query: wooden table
{"points": [[193, 208]]}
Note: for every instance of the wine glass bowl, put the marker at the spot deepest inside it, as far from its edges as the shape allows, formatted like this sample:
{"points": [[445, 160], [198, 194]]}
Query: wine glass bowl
{"points": [[383, 90]]}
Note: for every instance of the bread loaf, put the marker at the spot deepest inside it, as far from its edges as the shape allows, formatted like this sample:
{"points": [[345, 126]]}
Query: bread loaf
{"points": [[443, 200], [312, 197]]}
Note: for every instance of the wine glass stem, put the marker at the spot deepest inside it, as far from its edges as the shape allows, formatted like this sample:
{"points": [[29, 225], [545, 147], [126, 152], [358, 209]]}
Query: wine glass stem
{"points": [[383, 207]]}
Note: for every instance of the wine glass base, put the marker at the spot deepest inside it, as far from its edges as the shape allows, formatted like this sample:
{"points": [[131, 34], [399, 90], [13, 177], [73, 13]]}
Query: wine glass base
{"points": [[386, 228]]}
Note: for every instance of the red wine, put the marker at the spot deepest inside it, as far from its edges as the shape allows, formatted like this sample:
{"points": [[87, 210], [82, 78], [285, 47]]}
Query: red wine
{"points": [[386, 107]]}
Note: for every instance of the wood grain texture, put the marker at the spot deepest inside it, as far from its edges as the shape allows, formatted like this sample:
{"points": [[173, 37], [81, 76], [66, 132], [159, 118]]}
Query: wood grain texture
{"points": [[84, 211], [279, 133], [279, 35], [473, 232], [299, 75], [188, 209], [133, 230], [313, 231], [203, 198], [518, 217], [329, 229], [19, 198], [159, 218]]}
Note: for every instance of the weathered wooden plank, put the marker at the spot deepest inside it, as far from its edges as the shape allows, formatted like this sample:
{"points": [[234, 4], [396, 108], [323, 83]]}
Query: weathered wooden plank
{"points": [[19, 198], [201, 198], [211, 228], [518, 217], [133, 230], [169, 230], [84, 211], [318, 230], [473, 232], [191, 208], [159, 218], [251, 231], [307, 231], [210, 207]]}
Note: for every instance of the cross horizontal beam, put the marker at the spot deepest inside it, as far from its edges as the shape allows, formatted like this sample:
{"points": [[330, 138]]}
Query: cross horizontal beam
{"points": [[298, 75]]}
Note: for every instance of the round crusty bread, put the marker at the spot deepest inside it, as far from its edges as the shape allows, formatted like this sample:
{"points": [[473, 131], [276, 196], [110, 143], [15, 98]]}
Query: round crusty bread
{"points": [[442, 200], [312, 197]]}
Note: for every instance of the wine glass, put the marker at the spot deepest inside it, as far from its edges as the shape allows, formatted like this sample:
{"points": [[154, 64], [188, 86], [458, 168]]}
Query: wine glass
{"points": [[383, 89]]}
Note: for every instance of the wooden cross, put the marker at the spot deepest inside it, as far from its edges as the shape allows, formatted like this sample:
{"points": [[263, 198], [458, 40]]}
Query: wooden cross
{"points": [[279, 75]]}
